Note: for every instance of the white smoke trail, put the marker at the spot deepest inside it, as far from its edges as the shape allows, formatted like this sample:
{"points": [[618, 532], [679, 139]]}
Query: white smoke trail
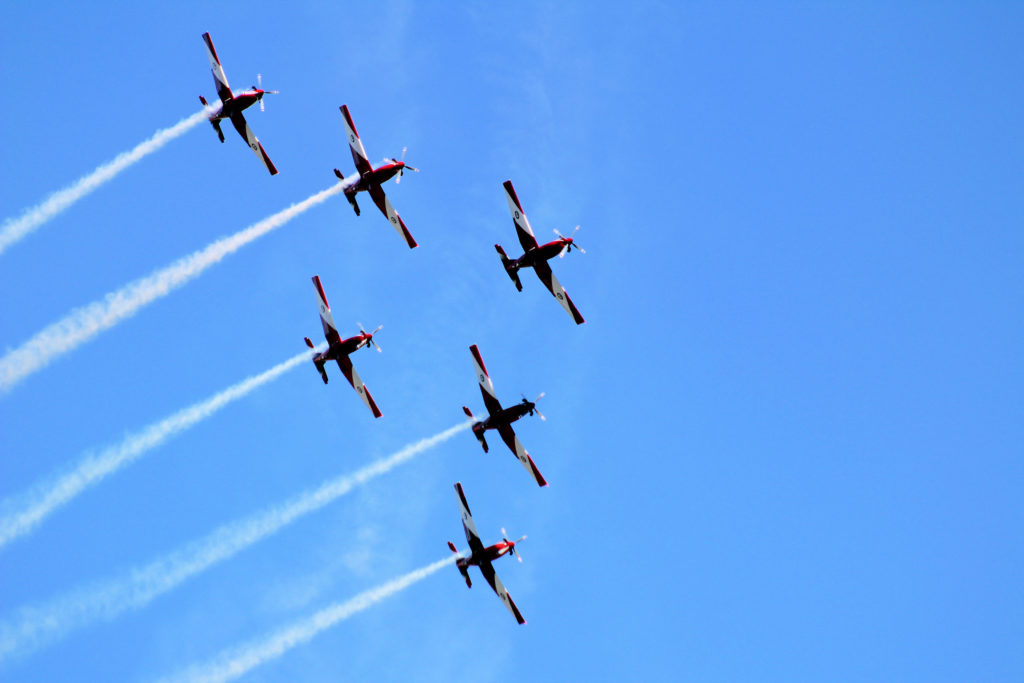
{"points": [[16, 228], [82, 324], [36, 626], [34, 506], [233, 663]]}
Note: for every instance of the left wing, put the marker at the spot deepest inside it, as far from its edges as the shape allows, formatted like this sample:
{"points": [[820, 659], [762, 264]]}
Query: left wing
{"points": [[486, 386], [326, 319], [220, 80], [254, 143], [517, 448], [543, 271], [355, 143], [488, 571], [472, 537], [523, 229], [345, 363], [384, 204]]}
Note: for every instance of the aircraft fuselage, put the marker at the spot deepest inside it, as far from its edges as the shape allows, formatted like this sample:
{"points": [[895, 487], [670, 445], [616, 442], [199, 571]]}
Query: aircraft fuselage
{"points": [[488, 554], [377, 176], [505, 417], [544, 252]]}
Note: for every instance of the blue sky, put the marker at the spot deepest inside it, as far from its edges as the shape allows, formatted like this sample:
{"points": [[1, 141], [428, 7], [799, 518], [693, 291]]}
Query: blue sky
{"points": [[786, 444]]}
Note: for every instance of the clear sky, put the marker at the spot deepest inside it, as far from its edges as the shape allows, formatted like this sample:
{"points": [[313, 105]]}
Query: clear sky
{"points": [[786, 445]]}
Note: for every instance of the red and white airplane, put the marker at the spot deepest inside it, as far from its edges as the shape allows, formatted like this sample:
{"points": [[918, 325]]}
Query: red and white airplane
{"points": [[482, 557], [537, 257], [339, 349], [370, 179], [501, 419], [231, 106]]}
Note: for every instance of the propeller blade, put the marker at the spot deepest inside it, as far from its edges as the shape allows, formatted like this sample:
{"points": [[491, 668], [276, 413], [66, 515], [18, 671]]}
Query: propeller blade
{"points": [[579, 248], [263, 107], [404, 150], [259, 81], [565, 248], [536, 410]]}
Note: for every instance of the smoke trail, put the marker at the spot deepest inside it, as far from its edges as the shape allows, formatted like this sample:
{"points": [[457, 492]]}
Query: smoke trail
{"points": [[233, 663], [45, 498], [82, 324], [16, 228], [39, 625]]}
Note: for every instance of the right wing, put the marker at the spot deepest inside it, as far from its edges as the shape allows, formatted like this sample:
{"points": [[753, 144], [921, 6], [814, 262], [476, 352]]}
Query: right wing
{"points": [[472, 537], [543, 271], [358, 151], [219, 79], [254, 143], [345, 363], [517, 448], [523, 229], [326, 319], [384, 204], [486, 387], [488, 571]]}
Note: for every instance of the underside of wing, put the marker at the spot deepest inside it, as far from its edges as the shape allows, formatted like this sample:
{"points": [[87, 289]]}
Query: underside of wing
{"points": [[517, 448], [492, 578], [523, 229], [326, 319], [220, 80], [250, 138], [543, 271], [353, 378], [486, 387], [354, 143], [472, 537], [384, 204]]}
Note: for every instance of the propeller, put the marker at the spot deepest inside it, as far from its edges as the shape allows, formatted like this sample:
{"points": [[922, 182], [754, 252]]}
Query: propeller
{"points": [[570, 244], [259, 86], [404, 166], [535, 409], [512, 544], [371, 340]]}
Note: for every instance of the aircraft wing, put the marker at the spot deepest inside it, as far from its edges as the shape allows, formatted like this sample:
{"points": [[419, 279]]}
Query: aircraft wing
{"points": [[517, 448], [472, 537], [254, 143], [219, 79], [543, 271], [523, 229], [345, 363], [384, 204], [486, 387], [326, 319], [488, 571], [358, 151]]}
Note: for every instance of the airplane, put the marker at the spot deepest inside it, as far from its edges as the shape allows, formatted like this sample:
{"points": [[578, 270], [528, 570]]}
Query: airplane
{"points": [[501, 419], [339, 349], [535, 256], [482, 557], [231, 105], [370, 179]]}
